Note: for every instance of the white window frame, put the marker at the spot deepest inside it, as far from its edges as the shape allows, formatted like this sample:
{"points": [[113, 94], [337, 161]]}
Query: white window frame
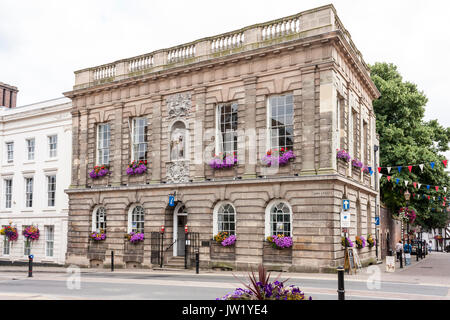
{"points": [[8, 195], [52, 152], [138, 143], [27, 192], [6, 244], [30, 154], [48, 240], [48, 190], [216, 213], [219, 133], [9, 151], [130, 219], [96, 223], [103, 144], [269, 121], [268, 230]]}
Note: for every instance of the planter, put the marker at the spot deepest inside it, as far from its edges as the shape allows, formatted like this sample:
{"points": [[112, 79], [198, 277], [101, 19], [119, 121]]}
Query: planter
{"points": [[96, 250], [342, 167], [276, 256], [134, 252], [356, 173], [218, 252]]}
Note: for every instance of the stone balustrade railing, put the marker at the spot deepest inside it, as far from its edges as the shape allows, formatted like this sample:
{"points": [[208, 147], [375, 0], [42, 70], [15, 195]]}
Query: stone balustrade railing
{"points": [[302, 25]]}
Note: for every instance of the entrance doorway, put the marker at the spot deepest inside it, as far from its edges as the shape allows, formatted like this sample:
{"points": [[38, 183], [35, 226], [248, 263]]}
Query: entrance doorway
{"points": [[179, 222]]}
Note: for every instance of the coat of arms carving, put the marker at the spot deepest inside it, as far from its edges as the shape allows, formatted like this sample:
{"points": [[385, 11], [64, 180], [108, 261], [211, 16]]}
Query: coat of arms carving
{"points": [[179, 104]]}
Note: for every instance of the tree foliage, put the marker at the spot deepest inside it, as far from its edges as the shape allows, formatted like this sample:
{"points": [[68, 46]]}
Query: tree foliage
{"points": [[407, 139]]}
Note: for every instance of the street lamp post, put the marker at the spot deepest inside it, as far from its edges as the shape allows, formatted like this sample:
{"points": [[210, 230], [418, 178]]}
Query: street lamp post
{"points": [[407, 197], [377, 213]]}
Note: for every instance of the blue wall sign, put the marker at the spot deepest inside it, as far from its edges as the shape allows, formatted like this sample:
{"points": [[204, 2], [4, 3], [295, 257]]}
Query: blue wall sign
{"points": [[171, 201], [377, 221], [345, 204]]}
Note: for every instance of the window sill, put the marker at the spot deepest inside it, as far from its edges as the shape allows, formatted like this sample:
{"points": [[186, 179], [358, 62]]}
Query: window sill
{"points": [[9, 164], [29, 162], [52, 160]]}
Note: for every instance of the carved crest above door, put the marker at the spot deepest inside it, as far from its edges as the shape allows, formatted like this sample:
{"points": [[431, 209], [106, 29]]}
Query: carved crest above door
{"points": [[179, 104]]}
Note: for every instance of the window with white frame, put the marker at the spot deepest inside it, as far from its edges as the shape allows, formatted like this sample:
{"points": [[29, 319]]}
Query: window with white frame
{"points": [[139, 133], [28, 192], [224, 218], [103, 142], [99, 219], [227, 125], [49, 240], [279, 216], [51, 190], [52, 146], [136, 220], [8, 193], [6, 245], [30, 148], [10, 151], [281, 122]]}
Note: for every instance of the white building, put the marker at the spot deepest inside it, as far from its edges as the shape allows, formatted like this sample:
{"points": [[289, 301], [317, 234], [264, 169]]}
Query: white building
{"points": [[35, 168]]}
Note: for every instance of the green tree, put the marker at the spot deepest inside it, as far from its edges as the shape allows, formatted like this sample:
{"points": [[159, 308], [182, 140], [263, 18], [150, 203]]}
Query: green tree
{"points": [[406, 139]]}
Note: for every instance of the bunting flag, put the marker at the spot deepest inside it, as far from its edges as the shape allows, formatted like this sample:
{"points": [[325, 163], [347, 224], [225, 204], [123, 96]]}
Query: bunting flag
{"points": [[409, 168], [415, 184], [421, 167], [437, 188], [419, 184], [389, 169], [432, 165], [445, 189], [428, 187], [406, 183], [445, 163], [389, 178], [397, 180], [399, 169], [379, 169]]}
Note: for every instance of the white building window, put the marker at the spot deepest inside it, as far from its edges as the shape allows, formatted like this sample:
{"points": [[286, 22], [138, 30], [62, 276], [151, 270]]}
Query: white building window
{"points": [[99, 219], [224, 218], [139, 133], [103, 142], [51, 190], [136, 217], [8, 193], [281, 122], [10, 151], [30, 148], [26, 244], [28, 192], [6, 245], [52, 146], [227, 125], [278, 218], [49, 240]]}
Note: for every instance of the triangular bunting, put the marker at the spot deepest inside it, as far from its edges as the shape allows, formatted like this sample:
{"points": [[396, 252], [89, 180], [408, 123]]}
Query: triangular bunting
{"points": [[421, 167], [445, 163], [437, 188], [397, 180], [432, 165], [409, 168], [445, 189], [428, 187], [406, 183], [399, 169], [389, 178], [379, 169], [415, 184], [389, 169], [419, 184]]}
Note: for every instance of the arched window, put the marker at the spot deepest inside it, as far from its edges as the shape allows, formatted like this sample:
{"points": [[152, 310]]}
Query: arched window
{"points": [[178, 141], [99, 219], [224, 219], [278, 218], [136, 217]]}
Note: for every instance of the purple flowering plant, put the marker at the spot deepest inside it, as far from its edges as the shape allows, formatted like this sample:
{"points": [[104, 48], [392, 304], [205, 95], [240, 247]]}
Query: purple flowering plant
{"points": [[280, 241], [98, 236], [365, 169], [229, 241], [10, 232], [360, 242], [98, 171], [349, 242], [371, 241], [137, 167], [222, 161], [135, 237], [280, 157], [224, 239], [342, 154], [407, 214], [263, 289], [31, 233], [357, 164]]}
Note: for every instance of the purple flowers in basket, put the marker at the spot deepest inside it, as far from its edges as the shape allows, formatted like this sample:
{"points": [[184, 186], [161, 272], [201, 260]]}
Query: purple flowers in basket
{"points": [[342, 154], [137, 167], [98, 236], [357, 164], [274, 157], [98, 171], [280, 241], [223, 161], [135, 237], [229, 241]]}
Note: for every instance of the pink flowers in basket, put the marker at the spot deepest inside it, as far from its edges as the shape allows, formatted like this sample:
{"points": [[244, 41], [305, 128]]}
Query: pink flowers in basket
{"points": [[221, 161], [137, 167], [281, 157], [98, 171], [31, 233]]}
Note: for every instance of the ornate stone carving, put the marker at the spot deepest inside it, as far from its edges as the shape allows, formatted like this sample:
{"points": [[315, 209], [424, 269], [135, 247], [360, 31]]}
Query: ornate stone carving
{"points": [[179, 105], [178, 172]]}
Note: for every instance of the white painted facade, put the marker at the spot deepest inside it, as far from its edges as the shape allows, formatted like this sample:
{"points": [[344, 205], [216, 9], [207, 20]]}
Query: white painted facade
{"points": [[38, 121]]}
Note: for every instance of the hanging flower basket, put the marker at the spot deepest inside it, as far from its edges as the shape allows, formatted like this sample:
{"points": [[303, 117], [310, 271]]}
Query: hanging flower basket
{"points": [[438, 238], [224, 239], [10, 232], [280, 241], [343, 155], [98, 236], [280, 157], [98, 171], [135, 167], [357, 164], [349, 242], [365, 169], [222, 161], [360, 242], [371, 241], [31, 233], [407, 214], [135, 237]]}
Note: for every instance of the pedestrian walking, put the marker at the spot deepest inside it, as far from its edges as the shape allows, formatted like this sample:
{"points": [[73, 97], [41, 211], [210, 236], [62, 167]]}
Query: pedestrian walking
{"points": [[429, 247], [407, 248], [398, 249]]}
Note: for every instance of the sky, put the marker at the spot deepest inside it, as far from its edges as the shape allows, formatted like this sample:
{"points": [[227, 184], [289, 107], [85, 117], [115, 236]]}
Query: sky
{"points": [[42, 42]]}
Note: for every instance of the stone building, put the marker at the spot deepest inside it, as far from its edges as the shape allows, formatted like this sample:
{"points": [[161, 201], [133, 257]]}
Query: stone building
{"points": [[297, 83], [8, 95], [35, 168]]}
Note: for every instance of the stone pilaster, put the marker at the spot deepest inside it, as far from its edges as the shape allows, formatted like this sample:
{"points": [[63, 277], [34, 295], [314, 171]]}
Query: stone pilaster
{"points": [[199, 125], [156, 140], [75, 149], [327, 105], [250, 128], [308, 119], [118, 168], [83, 147]]}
